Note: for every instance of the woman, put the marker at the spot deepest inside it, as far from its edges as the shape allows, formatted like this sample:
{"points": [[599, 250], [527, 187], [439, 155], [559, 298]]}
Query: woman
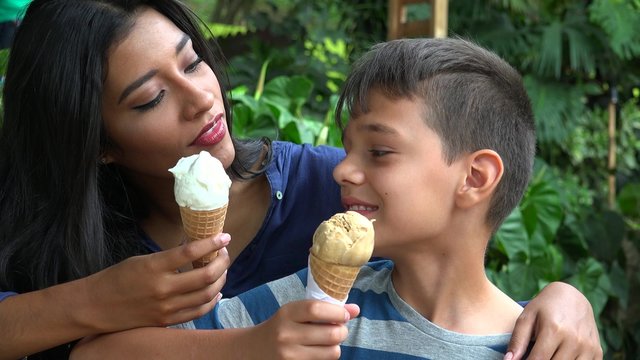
{"points": [[114, 93]]}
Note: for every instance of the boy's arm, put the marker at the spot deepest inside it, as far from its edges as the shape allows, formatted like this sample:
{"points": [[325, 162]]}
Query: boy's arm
{"points": [[561, 322], [299, 330]]}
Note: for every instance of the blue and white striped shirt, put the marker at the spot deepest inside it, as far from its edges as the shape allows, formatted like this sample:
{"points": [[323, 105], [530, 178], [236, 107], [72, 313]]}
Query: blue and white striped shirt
{"points": [[387, 328]]}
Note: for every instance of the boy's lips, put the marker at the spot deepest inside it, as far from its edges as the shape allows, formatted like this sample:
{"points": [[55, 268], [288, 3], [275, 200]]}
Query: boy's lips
{"points": [[360, 206], [212, 133]]}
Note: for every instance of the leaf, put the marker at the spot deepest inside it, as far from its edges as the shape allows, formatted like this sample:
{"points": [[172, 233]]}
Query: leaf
{"points": [[556, 107], [620, 20], [288, 92], [542, 211], [550, 56], [522, 281], [512, 238], [590, 278]]}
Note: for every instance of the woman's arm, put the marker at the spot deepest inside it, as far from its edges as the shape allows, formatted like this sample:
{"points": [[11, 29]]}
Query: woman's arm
{"points": [[561, 322], [298, 330], [140, 291]]}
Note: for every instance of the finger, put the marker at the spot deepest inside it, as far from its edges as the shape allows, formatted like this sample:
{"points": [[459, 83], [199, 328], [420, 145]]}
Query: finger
{"points": [[521, 336], [564, 351], [321, 334], [545, 346], [195, 312], [319, 312], [353, 310], [184, 254], [201, 277], [197, 297], [318, 352]]}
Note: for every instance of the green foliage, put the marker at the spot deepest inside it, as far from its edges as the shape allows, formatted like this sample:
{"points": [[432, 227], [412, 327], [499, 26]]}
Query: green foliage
{"points": [[619, 19], [278, 113]]}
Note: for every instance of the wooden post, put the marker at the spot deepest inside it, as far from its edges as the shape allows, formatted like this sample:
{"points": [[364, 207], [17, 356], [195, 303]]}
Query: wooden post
{"points": [[431, 25], [440, 18]]}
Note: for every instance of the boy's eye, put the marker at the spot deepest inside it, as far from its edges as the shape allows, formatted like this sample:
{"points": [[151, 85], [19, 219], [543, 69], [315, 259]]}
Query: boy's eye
{"points": [[151, 104], [378, 153], [193, 67]]}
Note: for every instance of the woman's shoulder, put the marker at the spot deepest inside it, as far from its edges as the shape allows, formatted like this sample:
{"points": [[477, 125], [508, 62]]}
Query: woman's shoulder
{"points": [[307, 152]]}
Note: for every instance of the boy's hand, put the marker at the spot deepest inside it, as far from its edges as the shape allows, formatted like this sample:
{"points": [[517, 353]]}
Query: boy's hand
{"points": [[561, 322], [149, 291], [307, 329]]}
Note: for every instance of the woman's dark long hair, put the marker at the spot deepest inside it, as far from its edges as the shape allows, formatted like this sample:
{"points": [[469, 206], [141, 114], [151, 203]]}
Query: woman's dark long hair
{"points": [[63, 215]]}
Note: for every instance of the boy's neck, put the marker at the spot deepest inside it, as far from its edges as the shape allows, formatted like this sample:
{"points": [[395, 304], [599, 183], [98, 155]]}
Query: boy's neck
{"points": [[453, 292]]}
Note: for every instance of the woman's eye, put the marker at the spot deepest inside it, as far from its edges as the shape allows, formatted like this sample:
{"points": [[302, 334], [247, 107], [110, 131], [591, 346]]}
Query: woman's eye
{"points": [[193, 67], [151, 104]]}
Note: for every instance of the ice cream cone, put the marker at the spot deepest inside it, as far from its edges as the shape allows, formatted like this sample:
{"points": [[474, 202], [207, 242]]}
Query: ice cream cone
{"points": [[334, 279], [202, 224]]}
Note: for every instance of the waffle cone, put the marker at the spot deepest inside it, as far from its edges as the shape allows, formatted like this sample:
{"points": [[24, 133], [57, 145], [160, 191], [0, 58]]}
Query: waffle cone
{"points": [[202, 224], [335, 280]]}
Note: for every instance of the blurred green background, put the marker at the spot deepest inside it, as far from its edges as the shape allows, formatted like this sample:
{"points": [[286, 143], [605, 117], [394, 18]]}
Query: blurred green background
{"points": [[579, 221]]}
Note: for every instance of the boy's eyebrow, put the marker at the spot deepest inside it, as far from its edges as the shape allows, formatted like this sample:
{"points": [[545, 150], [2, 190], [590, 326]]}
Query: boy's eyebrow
{"points": [[377, 128], [144, 78]]}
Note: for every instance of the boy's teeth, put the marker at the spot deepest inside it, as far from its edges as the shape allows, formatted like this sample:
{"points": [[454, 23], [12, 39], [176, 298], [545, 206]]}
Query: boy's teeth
{"points": [[360, 208]]}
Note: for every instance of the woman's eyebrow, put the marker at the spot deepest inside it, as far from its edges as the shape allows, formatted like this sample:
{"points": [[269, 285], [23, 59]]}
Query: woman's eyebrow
{"points": [[136, 84], [185, 39], [144, 78]]}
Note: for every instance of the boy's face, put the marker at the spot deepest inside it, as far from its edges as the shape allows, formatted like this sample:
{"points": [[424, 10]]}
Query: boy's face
{"points": [[395, 172]]}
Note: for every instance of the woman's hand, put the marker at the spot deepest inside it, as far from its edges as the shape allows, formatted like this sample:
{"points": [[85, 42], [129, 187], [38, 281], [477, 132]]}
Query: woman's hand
{"points": [[149, 291], [307, 329], [561, 322], [140, 291]]}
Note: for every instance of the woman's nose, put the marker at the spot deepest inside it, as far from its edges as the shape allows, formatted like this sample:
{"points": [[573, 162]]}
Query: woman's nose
{"points": [[348, 172], [197, 100]]}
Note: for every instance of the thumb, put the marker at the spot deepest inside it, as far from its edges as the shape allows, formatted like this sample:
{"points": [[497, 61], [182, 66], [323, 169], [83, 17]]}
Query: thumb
{"points": [[193, 250], [520, 337], [353, 310]]}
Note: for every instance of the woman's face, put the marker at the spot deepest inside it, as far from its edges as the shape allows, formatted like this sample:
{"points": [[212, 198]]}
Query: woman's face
{"points": [[161, 102]]}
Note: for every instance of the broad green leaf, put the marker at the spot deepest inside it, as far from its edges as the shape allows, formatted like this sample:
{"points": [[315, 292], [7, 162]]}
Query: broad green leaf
{"points": [[542, 211], [592, 281], [512, 239]]}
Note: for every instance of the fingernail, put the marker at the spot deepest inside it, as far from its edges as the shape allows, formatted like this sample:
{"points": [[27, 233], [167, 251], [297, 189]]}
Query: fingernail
{"points": [[347, 316], [218, 297], [508, 356], [225, 239]]}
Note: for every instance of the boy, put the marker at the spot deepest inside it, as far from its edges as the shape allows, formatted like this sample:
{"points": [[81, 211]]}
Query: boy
{"points": [[440, 146]]}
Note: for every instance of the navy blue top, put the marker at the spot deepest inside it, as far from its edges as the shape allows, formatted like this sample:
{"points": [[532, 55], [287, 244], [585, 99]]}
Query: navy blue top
{"points": [[303, 194]]}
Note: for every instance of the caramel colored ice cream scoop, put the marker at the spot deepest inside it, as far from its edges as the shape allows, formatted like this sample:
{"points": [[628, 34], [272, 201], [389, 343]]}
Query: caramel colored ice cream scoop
{"points": [[341, 245]]}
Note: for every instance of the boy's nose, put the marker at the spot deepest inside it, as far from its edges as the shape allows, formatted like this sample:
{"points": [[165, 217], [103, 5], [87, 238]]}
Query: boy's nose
{"points": [[347, 172]]}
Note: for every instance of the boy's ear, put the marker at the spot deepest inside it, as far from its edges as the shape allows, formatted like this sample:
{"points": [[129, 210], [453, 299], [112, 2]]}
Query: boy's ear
{"points": [[484, 170]]}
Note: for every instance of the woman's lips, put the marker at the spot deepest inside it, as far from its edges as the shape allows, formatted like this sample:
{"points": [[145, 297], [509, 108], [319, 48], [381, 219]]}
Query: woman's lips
{"points": [[212, 133]]}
